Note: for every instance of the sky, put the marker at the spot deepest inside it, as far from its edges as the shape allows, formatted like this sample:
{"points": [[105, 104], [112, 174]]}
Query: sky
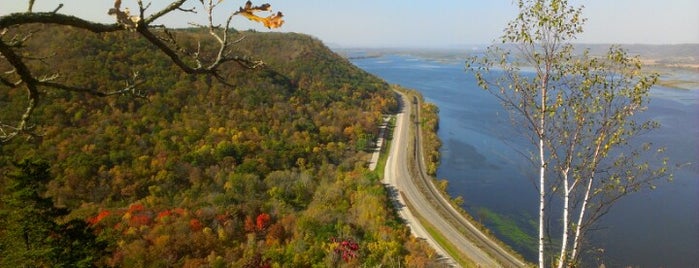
{"points": [[422, 23]]}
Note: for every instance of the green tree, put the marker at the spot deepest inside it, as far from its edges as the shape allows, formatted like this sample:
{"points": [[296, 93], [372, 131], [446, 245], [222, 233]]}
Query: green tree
{"points": [[579, 111], [32, 232]]}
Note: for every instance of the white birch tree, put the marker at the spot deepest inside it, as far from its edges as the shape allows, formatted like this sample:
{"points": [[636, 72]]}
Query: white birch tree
{"points": [[579, 113]]}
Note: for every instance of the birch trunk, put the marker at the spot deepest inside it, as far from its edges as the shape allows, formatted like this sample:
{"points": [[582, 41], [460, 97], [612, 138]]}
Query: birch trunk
{"points": [[577, 238], [542, 162], [542, 193], [565, 216]]}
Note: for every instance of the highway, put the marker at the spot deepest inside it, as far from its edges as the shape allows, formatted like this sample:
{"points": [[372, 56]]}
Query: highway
{"points": [[426, 201]]}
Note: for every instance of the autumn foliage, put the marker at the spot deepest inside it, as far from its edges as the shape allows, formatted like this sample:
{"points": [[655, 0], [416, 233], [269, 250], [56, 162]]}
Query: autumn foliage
{"points": [[262, 221], [97, 219], [263, 172], [346, 248]]}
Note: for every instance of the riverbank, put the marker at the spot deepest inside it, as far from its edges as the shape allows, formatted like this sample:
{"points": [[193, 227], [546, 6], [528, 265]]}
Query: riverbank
{"points": [[432, 205], [485, 161]]}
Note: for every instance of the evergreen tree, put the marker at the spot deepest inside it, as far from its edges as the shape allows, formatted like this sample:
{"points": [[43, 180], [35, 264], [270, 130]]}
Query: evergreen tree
{"points": [[32, 234]]}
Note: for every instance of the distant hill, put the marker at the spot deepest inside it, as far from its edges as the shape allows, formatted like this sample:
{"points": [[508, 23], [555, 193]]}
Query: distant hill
{"points": [[686, 55], [681, 53], [678, 65]]}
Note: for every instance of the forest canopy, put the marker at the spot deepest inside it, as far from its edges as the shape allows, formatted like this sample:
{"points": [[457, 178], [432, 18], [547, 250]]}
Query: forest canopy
{"points": [[265, 168]]}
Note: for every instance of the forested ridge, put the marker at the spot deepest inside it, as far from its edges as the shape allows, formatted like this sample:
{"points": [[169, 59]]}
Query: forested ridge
{"points": [[266, 171]]}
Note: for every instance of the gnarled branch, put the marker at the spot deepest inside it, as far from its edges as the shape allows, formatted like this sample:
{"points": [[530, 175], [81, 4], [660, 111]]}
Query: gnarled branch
{"points": [[15, 19], [124, 21]]}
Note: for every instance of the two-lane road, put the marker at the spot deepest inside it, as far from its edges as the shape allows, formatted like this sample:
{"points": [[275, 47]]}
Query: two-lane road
{"points": [[398, 176]]}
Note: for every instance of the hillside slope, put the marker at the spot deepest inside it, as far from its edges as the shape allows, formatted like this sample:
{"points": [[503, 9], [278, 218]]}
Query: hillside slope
{"points": [[270, 170]]}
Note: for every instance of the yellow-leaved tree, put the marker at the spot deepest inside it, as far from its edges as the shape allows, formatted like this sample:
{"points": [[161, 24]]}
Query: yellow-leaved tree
{"points": [[578, 111]]}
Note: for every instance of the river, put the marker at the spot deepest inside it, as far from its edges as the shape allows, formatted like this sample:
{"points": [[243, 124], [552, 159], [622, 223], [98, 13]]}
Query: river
{"points": [[486, 161]]}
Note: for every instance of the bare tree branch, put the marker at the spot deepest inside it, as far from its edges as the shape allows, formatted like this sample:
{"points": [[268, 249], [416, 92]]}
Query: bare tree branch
{"points": [[8, 83], [31, 6], [130, 89], [58, 19], [58, 8], [9, 49], [172, 7], [31, 84]]}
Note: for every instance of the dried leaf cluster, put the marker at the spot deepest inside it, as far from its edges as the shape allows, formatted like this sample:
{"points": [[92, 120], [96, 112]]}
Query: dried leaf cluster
{"points": [[124, 16], [271, 21]]}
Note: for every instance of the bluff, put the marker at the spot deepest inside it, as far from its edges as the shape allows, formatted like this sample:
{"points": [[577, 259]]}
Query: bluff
{"points": [[266, 168]]}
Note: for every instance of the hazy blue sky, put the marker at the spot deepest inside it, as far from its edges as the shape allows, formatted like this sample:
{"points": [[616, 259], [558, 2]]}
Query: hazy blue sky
{"points": [[433, 23]]}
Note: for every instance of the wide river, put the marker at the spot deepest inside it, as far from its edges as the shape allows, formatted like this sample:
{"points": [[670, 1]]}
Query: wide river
{"points": [[486, 162]]}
